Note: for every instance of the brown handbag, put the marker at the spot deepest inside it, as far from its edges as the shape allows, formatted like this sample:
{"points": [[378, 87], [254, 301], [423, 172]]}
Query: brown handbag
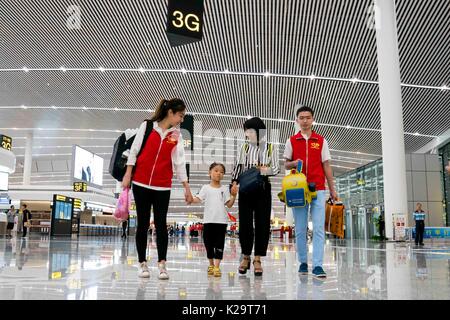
{"points": [[334, 218]]}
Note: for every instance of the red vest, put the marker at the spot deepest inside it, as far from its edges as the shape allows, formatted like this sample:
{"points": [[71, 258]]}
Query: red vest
{"points": [[311, 155], [154, 164]]}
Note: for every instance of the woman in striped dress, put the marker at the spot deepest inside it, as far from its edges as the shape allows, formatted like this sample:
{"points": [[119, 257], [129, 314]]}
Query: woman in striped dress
{"points": [[255, 205]]}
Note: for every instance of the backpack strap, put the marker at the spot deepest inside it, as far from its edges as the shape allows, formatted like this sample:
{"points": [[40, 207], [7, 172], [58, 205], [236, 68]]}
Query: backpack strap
{"points": [[245, 146], [148, 130], [270, 147]]}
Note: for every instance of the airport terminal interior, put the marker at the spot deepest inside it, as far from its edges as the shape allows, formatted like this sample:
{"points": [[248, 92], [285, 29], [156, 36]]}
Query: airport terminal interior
{"points": [[76, 76]]}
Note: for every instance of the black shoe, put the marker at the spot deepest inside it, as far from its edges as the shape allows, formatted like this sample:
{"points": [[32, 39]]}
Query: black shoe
{"points": [[422, 244], [303, 269]]}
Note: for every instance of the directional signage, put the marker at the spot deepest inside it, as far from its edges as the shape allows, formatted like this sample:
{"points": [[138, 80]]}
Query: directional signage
{"points": [[77, 203], [184, 22], [6, 142], [80, 186]]}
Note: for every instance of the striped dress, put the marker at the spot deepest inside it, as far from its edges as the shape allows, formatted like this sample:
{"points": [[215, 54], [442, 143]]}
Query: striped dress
{"points": [[248, 157]]}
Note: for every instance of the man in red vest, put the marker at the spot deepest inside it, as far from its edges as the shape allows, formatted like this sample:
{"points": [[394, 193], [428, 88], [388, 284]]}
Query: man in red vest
{"points": [[312, 149]]}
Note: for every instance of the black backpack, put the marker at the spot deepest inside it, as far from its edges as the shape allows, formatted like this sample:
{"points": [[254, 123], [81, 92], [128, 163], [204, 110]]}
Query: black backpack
{"points": [[118, 163]]}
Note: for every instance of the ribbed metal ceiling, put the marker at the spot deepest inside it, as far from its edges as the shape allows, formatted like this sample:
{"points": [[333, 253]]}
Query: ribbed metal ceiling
{"points": [[321, 37]]}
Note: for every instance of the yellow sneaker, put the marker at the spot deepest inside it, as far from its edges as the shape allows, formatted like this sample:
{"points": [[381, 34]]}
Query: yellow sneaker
{"points": [[210, 270], [217, 272]]}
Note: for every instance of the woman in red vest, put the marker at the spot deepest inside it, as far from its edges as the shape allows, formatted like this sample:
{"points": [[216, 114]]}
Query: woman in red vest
{"points": [[149, 167]]}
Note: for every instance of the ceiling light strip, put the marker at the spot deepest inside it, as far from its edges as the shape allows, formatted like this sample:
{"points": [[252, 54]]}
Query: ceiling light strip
{"points": [[225, 72]]}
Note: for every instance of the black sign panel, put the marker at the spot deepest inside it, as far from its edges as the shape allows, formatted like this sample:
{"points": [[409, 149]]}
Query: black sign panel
{"points": [[6, 142], [80, 186], [62, 212], [76, 216], [187, 131], [184, 21]]}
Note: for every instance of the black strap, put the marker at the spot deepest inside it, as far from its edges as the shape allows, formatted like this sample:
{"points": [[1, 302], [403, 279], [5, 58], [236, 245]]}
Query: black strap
{"points": [[148, 130]]}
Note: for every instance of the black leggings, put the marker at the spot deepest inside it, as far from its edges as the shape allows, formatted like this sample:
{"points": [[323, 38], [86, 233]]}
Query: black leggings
{"points": [[214, 239], [258, 206], [145, 199]]}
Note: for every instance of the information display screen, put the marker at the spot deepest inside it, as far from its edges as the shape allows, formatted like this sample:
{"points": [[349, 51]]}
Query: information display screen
{"points": [[87, 166], [63, 210]]}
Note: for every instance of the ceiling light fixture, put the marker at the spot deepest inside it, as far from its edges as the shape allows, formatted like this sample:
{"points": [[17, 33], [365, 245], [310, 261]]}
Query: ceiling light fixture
{"points": [[141, 69], [267, 74], [354, 80], [312, 77], [226, 71], [183, 70]]}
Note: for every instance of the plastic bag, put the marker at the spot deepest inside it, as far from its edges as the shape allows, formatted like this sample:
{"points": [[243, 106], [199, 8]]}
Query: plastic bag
{"points": [[123, 205]]}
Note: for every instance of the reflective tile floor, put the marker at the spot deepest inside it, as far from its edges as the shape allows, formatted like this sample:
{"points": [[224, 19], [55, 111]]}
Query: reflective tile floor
{"points": [[103, 268]]}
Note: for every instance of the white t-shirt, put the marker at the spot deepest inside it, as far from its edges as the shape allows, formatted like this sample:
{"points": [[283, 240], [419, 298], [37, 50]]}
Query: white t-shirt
{"points": [[214, 199], [325, 150]]}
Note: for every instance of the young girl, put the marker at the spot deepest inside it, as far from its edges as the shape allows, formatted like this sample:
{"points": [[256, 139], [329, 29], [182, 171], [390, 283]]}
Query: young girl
{"points": [[215, 216], [150, 168]]}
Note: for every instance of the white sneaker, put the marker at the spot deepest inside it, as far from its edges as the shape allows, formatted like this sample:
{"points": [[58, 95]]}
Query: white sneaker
{"points": [[143, 271], [163, 275]]}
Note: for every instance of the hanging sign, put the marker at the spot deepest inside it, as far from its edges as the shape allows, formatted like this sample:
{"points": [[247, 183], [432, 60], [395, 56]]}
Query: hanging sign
{"points": [[184, 22]]}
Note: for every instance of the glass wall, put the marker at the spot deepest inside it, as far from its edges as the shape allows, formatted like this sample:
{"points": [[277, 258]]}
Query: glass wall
{"points": [[361, 190], [362, 186], [444, 153]]}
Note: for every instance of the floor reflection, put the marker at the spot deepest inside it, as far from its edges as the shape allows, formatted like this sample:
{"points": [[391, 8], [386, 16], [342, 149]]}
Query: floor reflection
{"points": [[96, 268]]}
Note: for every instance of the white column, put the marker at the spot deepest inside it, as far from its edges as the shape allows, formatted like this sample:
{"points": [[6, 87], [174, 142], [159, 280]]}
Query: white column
{"points": [[28, 159], [18, 291], [398, 273], [290, 262], [394, 168]]}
